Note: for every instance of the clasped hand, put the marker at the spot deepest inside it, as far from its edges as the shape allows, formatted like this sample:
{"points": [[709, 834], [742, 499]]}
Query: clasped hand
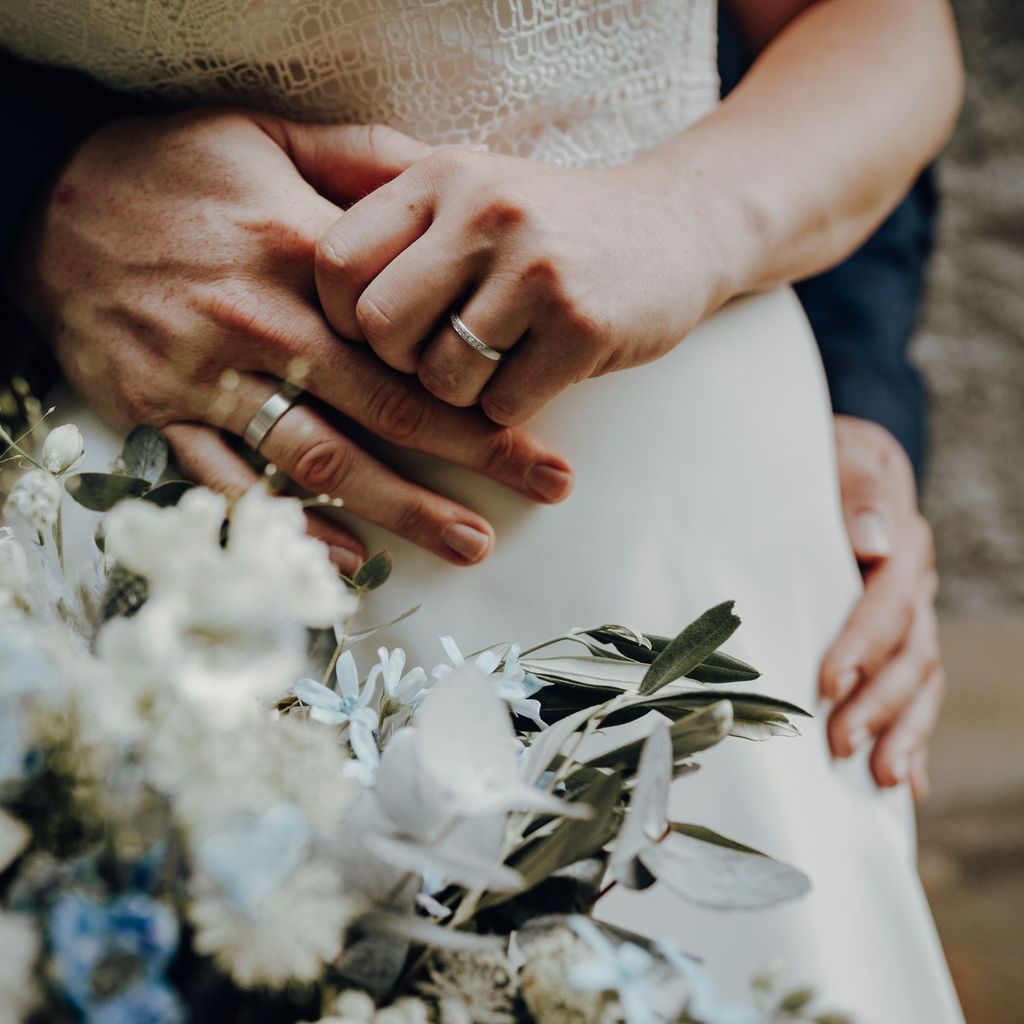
{"points": [[569, 273]]}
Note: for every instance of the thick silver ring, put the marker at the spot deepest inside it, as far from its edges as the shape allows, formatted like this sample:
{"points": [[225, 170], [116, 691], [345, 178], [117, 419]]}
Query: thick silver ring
{"points": [[269, 413], [472, 340]]}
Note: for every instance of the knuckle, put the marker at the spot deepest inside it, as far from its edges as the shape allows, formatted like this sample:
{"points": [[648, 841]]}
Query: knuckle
{"points": [[445, 165], [322, 464], [375, 321], [414, 519], [397, 412], [497, 212], [502, 452], [440, 378]]}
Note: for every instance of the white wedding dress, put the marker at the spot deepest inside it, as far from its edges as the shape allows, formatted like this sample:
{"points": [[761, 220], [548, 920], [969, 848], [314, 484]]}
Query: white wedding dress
{"points": [[707, 475]]}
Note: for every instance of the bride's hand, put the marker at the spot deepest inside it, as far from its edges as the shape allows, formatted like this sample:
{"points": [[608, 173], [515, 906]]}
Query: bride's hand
{"points": [[571, 273], [884, 671], [171, 267]]}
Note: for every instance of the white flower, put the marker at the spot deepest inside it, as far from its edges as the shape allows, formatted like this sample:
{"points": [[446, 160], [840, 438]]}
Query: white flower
{"points": [[409, 688], [467, 749], [20, 943], [514, 685], [298, 931], [62, 448], [223, 625], [14, 837], [15, 576], [347, 706], [35, 499]]}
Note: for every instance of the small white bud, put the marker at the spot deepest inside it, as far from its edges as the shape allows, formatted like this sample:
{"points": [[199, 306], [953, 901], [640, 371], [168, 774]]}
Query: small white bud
{"points": [[35, 498], [62, 448]]}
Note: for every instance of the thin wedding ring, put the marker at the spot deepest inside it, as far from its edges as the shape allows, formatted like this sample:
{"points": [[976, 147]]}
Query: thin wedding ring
{"points": [[269, 413], [472, 340]]}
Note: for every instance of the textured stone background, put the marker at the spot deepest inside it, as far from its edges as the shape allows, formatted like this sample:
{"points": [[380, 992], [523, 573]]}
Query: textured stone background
{"points": [[971, 345]]}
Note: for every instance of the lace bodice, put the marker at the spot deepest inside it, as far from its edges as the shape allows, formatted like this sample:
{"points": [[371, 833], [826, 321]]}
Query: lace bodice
{"points": [[585, 82]]}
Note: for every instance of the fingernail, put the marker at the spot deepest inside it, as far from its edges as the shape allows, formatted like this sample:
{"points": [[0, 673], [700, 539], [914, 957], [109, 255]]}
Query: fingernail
{"points": [[466, 541], [869, 536], [550, 482], [845, 682], [345, 559], [858, 738]]}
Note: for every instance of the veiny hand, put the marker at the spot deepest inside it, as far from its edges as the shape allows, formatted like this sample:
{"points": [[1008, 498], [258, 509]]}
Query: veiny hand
{"points": [[884, 673], [171, 267], [572, 273]]}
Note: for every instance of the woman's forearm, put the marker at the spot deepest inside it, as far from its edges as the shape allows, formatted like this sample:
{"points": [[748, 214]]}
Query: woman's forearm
{"points": [[846, 103]]}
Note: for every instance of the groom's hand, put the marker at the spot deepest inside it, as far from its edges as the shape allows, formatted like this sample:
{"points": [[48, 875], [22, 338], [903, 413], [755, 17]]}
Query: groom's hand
{"points": [[884, 672], [170, 265]]}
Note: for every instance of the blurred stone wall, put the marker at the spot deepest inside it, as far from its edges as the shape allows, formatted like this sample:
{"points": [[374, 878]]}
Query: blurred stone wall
{"points": [[971, 345]]}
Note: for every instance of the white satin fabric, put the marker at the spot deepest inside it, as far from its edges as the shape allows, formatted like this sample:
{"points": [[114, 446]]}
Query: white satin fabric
{"points": [[707, 475]]}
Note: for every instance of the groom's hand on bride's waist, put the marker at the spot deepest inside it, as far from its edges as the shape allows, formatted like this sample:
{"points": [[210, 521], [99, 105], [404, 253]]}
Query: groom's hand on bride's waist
{"points": [[884, 672], [170, 266]]}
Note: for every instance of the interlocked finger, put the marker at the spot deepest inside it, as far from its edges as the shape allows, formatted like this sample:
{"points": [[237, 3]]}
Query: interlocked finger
{"points": [[319, 459]]}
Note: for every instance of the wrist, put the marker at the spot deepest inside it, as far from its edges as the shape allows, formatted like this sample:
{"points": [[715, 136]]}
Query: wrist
{"points": [[712, 219]]}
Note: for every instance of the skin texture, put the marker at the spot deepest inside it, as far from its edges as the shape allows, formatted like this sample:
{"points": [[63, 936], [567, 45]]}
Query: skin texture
{"points": [[171, 267], [884, 674], [574, 273]]}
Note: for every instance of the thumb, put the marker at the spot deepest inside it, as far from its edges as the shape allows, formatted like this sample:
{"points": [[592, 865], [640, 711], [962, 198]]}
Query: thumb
{"points": [[866, 512], [346, 162]]}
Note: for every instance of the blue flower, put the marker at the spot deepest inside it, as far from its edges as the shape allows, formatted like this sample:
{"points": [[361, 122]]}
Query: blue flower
{"points": [[402, 689], [623, 968], [514, 686], [347, 705], [113, 954]]}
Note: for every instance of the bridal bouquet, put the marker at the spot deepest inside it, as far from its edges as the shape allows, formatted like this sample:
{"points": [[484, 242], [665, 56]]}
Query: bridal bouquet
{"points": [[216, 803]]}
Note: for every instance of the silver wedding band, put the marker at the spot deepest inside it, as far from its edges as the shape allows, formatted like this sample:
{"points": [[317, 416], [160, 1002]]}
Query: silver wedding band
{"points": [[269, 413], [472, 340]]}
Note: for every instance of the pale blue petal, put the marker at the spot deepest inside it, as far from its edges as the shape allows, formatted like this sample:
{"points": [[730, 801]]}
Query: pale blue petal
{"points": [[316, 695], [451, 648], [348, 676]]}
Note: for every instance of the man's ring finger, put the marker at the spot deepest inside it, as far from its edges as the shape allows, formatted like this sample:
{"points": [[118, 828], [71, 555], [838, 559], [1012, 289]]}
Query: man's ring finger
{"points": [[269, 413]]}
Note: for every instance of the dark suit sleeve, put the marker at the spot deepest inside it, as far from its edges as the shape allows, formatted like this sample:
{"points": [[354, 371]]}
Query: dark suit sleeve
{"points": [[864, 311], [46, 113]]}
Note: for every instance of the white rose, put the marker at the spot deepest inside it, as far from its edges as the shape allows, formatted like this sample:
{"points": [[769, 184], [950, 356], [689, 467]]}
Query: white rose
{"points": [[62, 448]]}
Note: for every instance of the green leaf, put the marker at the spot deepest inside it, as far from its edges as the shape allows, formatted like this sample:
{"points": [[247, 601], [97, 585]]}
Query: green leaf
{"points": [[574, 839], [102, 491], [831, 1017], [374, 572], [719, 667], [691, 647], [797, 1000], [693, 733], [711, 871], [144, 454], [169, 493]]}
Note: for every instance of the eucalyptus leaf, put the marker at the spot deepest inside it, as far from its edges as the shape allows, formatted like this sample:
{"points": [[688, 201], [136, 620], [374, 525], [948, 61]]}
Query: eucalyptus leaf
{"points": [[374, 572], [167, 494], [719, 667], [424, 933], [575, 839], [683, 654], [102, 491], [547, 744], [712, 871], [144, 454], [691, 734], [647, 815], [374, 962]]}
